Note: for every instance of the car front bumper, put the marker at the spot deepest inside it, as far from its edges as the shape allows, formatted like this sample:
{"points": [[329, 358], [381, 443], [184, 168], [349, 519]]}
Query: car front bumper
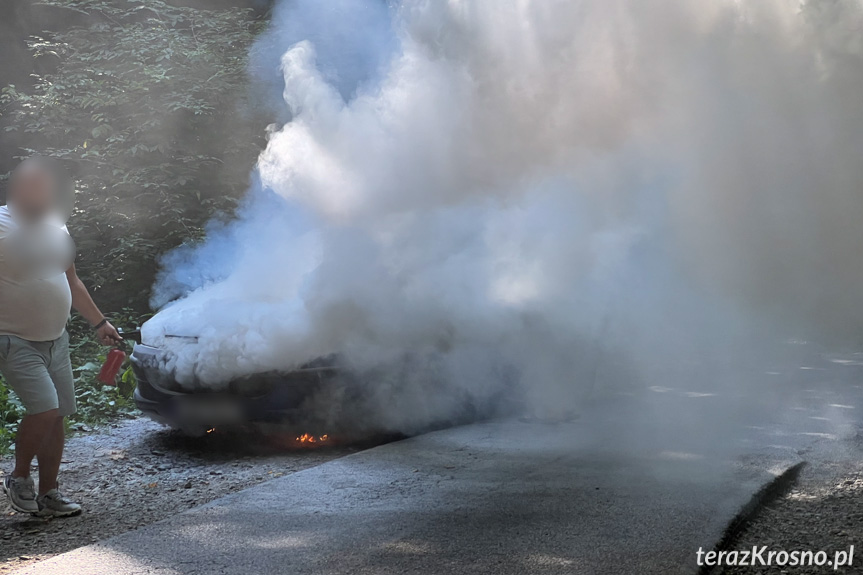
{"points": [[283, 398]]}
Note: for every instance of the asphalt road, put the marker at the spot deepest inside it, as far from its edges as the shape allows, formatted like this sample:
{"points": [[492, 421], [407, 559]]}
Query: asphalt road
{"points": [[494, 498], [636, 484]]}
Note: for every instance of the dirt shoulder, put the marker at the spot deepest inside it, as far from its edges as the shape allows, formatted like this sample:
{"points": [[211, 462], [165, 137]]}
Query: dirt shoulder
{"points": [[135, 472], [822, 512]]}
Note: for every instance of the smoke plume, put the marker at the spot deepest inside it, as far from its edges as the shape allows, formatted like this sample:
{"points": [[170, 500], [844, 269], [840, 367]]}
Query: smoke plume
{"points": [[523, 193]]}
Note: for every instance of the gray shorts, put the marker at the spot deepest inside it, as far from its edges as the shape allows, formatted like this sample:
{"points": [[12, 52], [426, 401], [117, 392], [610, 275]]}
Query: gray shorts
{"points": [[39, 372]]}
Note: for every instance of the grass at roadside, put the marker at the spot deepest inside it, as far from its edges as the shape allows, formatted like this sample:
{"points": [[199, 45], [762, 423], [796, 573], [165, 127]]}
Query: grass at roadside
{"points": [[97, 403]]}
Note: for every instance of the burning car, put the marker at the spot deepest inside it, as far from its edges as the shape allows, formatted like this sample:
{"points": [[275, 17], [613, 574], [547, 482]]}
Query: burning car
{"points": [[318, 398], [215, 359]]}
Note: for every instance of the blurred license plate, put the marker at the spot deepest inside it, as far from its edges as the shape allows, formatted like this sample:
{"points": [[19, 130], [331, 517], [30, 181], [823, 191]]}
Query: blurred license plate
{"points": [[209, 411]]}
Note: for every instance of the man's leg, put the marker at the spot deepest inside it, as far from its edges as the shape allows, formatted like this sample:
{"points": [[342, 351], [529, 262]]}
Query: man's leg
{"points": [[50, 455], [51, 452], [33, 433], [24, 365], [51, 502]]}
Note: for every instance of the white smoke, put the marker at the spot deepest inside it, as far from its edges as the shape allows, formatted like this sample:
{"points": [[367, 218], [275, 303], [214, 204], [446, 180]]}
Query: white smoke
{"points": [[519, 187]]}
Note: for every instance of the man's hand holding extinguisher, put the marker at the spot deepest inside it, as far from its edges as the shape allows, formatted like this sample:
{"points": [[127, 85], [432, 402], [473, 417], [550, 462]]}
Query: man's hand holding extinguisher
{"points": [[107, 333]]}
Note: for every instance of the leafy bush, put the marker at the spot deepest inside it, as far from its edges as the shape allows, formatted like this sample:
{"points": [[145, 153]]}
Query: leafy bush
{"points": [[10, 414], [149, 105]]}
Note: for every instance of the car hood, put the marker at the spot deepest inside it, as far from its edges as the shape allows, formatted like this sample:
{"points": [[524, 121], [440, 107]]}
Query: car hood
{"points": [[209, 343]]}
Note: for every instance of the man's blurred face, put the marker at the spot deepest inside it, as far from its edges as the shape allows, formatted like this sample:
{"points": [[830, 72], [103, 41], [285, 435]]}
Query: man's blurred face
{"points": [[33, 193]]}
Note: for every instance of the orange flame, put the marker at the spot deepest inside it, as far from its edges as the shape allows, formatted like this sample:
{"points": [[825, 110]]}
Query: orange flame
{"points": [[309, 439]]}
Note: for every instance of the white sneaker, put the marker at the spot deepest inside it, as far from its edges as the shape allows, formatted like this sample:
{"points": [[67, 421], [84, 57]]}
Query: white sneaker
{"points": [[21, 493], [54, 504]]}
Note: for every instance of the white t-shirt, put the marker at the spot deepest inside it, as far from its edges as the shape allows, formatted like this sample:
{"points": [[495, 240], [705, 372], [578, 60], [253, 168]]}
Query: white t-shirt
{"points": [[33, 308]]}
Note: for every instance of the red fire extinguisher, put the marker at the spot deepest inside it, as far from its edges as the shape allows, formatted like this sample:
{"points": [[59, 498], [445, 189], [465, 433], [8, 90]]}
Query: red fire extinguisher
{"points": [[115, 358], [113, 362]]}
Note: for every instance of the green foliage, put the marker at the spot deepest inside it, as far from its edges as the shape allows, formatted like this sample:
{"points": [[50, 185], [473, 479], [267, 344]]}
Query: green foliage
{"points": [[148, 102], [10, 414]]}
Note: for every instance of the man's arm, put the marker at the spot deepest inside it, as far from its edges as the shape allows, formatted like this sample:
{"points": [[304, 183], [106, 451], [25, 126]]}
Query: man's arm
{"points": [[84, 304]]}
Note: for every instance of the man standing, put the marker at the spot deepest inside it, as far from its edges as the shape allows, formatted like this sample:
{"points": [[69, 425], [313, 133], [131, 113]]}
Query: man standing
{"points": [[38, 286]]}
